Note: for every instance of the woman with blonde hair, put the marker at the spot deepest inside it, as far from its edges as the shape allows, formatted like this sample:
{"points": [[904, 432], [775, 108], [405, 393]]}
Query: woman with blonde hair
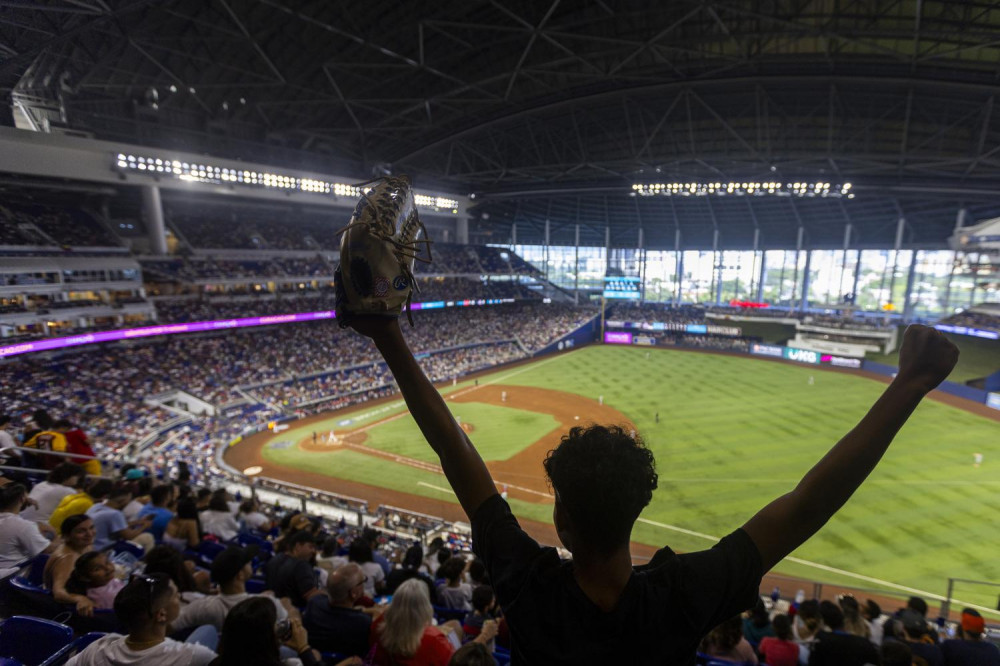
{"points": [[404, 635]]}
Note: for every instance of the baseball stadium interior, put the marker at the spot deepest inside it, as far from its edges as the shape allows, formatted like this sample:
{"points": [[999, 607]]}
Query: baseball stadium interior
{"points": [[708, 221]]}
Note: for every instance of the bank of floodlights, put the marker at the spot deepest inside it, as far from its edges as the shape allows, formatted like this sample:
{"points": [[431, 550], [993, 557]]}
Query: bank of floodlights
{"points": [[210, 174], [744, 188]]}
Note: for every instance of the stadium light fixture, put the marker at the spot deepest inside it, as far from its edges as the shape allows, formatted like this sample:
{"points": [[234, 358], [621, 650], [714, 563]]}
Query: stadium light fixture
{"points": [[744, 188], [210, 174]]}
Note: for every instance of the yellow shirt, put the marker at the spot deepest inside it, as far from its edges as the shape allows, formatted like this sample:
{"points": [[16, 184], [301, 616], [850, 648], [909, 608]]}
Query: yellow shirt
{"points": [[48, 440], [70, 506]]}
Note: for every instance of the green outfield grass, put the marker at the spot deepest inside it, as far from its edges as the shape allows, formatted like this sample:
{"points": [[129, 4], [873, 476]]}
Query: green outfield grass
{"points": [[979, 357], [736, 432]]}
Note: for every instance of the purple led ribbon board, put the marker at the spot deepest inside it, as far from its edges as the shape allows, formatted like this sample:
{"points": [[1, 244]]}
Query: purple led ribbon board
{"points": [[213, 325]]}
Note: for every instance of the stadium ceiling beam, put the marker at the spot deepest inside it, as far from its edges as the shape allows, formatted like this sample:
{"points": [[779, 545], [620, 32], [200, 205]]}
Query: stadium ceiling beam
{"points": [[253, 42], [983, 132], [383, 50], [12, 64], [589, 97]]}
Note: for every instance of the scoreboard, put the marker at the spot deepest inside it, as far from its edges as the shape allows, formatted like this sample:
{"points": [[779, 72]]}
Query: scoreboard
{"points": [[623, 288]]}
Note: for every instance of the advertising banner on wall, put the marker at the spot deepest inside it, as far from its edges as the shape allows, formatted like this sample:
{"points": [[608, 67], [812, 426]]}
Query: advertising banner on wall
{"points": [[617, 338], [801, 355], [767, 350]]}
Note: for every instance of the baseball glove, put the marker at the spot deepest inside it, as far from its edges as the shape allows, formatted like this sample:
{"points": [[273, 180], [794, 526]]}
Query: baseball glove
{"points": [[377, 252]]}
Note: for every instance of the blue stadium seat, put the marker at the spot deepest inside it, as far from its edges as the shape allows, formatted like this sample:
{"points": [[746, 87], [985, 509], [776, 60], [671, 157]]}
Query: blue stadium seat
{"points": [[501, 656], [127, 547], [76, 647], [36, 569], [256, 585], [444, 614], [31, 640]]}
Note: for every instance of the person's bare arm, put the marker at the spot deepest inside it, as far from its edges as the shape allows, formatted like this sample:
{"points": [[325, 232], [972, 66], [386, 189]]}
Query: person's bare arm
{"points": [[926, 358], [460, 461], [60, 574]]}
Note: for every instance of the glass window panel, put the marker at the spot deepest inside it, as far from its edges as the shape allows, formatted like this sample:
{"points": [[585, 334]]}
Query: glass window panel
{"points": [[661, 276]]}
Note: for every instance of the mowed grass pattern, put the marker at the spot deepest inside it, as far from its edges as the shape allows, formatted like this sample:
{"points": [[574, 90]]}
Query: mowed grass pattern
{"points": [[500, 432], [736, 432]]}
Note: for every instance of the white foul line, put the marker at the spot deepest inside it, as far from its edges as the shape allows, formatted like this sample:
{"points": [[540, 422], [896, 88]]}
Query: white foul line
{"points": [[824, 567], [428, 485]]}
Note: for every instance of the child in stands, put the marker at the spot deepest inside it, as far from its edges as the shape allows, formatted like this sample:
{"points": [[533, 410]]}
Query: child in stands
{"points": [[94, 576]]}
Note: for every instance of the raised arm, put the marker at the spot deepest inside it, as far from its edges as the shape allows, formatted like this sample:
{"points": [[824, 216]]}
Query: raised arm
{"points": [[460, 461], [926, 358]]}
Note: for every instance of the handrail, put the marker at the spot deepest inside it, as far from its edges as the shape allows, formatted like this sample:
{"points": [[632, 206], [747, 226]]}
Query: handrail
{"points": [[46, 452]]}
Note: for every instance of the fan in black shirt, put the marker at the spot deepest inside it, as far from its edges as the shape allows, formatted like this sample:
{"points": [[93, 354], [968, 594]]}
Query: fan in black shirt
{"points": [[597, 608]]}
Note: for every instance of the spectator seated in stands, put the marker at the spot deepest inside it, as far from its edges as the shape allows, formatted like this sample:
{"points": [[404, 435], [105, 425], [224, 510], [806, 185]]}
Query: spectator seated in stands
{"points": [[77, 538], [61, 481], [146, 606], [111, 525], [871, 612], [94, 577], [96, 491], [360, 552], [472, 654], [371, 536], [484, 608], [231, 569], [453, 593], [161, 502], [854, 624], [252, 634], [184, 529], [192, 584], [911, 628], [602, 478], [727, 642], [332, 620], [403, 633], [20, 539], [411, 567], [780, 649], [290, 573], [969, 647], [757, 624], [251, 517], [218, 519], [836, 647]]}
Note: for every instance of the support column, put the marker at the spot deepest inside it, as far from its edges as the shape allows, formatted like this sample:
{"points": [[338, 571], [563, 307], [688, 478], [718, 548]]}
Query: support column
{"points": [[761, 277], [547, 260], [795, 275], [857, 277], [513, 235], [462, 231], [900, 227], [753, 270], [576, 267], [679, 266], [805, 282], [959, 223], [717, 267], [642, 268], [843, 264], [910, 278], [152, 207]]}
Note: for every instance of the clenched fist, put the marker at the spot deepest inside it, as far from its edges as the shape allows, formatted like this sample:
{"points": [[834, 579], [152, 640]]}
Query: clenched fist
{"points": [[926, 358]]}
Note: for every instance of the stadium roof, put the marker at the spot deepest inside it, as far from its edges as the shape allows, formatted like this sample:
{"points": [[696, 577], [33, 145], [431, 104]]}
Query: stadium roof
{"points": [[554, 110]]}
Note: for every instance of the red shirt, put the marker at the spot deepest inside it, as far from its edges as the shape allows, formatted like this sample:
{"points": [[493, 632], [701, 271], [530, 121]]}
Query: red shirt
{"points": [[777, 652], [435, 649]]}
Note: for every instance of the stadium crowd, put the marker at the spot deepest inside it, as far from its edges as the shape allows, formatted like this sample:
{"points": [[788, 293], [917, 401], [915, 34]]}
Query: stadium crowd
{"points": [[159, 567], [976, 319], [40, 225]]}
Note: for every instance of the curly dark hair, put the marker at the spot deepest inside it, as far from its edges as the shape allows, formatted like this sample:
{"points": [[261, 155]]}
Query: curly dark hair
{"points": [[603, 478]]}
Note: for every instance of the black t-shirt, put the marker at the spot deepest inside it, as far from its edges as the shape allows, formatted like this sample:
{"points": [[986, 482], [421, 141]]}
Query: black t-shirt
{"points": [[289, 577], [842, 649], [970, 653], [666, 608], [336, 629]]}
